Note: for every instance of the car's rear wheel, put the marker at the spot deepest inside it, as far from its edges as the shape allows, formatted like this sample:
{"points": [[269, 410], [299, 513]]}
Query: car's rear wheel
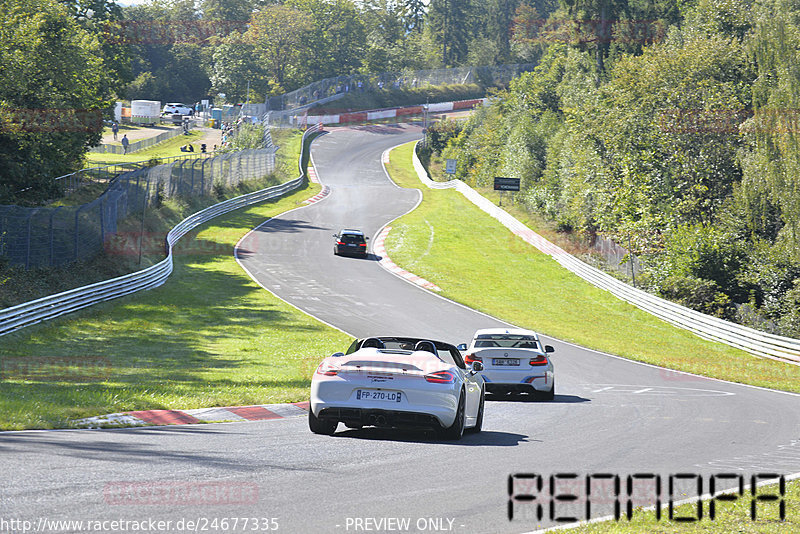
{"points": [[321, 426], [479, 421], [455, 431]]}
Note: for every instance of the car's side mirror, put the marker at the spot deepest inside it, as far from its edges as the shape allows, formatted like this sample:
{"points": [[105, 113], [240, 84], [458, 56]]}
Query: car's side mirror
{"points": [[335, 235], [462, 347], [477, 366], [549, 348], [337, 354], [366, 238]]}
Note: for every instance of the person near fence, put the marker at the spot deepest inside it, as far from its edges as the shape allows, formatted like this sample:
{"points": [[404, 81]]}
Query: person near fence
{"points": [[115, 129], [125, 142]]}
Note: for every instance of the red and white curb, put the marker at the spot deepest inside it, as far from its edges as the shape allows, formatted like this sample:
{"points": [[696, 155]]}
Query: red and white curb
{"points": [[261, 412], [312, 177], [379, 248], [312, 174]]}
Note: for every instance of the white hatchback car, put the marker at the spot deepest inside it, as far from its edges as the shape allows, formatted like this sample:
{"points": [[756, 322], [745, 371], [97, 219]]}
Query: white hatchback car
{"points": [[397, 382], [177, 108], [513, 360]]}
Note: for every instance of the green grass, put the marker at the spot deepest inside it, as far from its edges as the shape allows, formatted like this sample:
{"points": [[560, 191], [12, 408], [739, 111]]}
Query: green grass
{"points": [[123, 129], [729, 517], [165, 149], [209, 337], [478, 262], [18, 285]]}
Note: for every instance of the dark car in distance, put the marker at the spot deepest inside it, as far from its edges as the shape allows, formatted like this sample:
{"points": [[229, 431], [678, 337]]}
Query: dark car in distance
{"points": [[350, 242]]}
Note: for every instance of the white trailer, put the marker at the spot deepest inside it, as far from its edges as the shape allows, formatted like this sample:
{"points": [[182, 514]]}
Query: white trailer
{"points": [[145, 111]]}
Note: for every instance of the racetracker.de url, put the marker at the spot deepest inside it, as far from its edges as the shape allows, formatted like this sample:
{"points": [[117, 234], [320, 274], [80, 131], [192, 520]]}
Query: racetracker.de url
{"points": [[193, 524]]}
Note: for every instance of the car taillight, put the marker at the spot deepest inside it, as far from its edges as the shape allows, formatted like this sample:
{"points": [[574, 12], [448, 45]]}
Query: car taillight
{"points": [[340, 242], [362, 244], [327, 369], [471, 358], [539, 360], [441, 377]]}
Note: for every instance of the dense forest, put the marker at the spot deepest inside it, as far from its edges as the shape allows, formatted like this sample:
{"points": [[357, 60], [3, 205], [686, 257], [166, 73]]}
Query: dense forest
{"points": [[670, 128], [65, 62]]}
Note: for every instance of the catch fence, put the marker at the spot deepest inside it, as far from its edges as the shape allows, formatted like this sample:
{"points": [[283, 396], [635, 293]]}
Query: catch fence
{"points": [[54, 236], [285, 106]]}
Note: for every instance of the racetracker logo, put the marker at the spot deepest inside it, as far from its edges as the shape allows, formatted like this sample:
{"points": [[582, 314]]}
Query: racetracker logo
{"points": [[167, 32], [44, 120], [180, 493], [55, 368], [130, 244], [570, 497]]}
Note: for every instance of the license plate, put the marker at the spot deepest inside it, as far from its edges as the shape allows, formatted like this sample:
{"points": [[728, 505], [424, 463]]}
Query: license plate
{"points": [[499, 362], [374, 395]]}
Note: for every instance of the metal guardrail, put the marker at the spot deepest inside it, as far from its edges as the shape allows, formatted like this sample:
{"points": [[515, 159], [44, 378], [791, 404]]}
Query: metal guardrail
{"points": [[713, 328], [52, 306]]}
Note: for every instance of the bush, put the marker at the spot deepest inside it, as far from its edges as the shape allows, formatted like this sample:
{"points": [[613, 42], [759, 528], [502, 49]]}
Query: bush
{"points": [[698, 294]]}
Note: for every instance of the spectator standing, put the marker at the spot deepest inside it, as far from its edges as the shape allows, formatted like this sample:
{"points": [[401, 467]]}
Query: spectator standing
{"points": [[115, 129], [125, 142]]}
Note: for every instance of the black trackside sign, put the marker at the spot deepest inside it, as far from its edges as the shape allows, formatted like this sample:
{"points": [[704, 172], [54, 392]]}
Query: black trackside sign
{"points": [[506, 184]]}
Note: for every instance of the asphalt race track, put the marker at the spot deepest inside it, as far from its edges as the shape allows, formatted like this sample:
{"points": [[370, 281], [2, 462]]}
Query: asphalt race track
{"points": [[610, 416]]}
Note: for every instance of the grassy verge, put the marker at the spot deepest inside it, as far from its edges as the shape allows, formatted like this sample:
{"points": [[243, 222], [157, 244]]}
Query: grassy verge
{"points": [[209, 337], [729, 517], [474, 258], [123, 129], [408, 96], [18, 285], [165, 149]]}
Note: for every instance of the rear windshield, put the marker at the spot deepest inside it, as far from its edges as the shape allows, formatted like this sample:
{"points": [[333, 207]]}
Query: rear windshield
{"points": [[404, 346], [352, 238], [517, 341]]}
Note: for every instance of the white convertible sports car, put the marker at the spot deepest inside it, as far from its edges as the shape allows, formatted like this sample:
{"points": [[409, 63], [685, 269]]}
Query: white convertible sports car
{"points": [[397, 382], [514, 361]]}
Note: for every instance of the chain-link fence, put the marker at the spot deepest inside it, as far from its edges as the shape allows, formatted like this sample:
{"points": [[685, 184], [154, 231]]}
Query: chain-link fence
{"points": [[332, 88], [48, 237], [487, 76], [69, 183]]}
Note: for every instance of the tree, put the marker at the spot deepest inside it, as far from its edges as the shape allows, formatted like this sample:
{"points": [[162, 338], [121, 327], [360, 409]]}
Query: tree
{"points": [[772, 159], [227, 10], [413, 15], [339, 37], [278, 35], [601, 14], [54, 90], [235, 63], [451, 24]]}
